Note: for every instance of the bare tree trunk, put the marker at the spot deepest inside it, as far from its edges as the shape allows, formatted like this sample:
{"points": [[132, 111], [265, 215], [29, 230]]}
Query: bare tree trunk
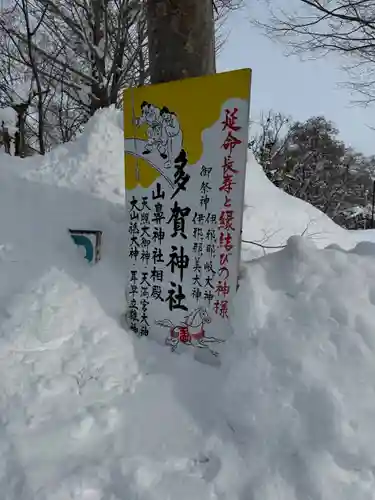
{"points": [[181, 39]]}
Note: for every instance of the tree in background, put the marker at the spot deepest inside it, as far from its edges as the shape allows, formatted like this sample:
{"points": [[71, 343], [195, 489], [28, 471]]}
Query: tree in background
{"points": [[81, 53], [346, 27], [307, 160], [64, 59], [20, 69], [267, 142]]}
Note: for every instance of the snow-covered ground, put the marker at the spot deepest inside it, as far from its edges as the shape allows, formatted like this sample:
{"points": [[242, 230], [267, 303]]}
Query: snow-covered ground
{"points": [[89, 412], [365, 235]]}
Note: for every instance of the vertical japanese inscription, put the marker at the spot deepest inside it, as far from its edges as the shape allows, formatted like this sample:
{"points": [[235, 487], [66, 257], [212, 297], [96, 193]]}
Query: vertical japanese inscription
{"points": [[227, 216], [158, 236], [139, 250], [204, 241], [178, 260], [133, 230]]}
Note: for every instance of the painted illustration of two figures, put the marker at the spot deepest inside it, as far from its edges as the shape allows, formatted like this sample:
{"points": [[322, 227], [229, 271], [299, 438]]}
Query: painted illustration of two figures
{"points": [[190, 332], [164, 133]]}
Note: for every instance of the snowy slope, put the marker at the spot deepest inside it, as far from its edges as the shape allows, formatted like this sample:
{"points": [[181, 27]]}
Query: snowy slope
{"points": [[364, 234], [272, 216], [302, 372], [34, 219], [89, 412], [94, 163]]}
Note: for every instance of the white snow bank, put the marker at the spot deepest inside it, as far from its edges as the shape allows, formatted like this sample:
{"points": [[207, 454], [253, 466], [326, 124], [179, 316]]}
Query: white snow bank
{"points": [[271, 216], [94, 163], [89, 412], [364, 234], [65, 367], [34, 222], [300, 390]]}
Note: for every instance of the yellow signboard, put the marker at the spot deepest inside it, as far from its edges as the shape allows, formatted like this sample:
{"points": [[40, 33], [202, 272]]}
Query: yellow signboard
{"points": [[185, 156]]}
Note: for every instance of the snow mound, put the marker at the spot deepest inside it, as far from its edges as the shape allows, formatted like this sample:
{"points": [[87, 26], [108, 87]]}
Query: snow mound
{"points": [[61, 377], [34, 222], [289, 414], [301, 375], [364, 234], [90, 412], [93, 163], [271, 216]]}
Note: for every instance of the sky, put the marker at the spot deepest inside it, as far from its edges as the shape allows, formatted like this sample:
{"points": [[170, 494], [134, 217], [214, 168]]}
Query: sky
{"points": [[287, 84]]}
